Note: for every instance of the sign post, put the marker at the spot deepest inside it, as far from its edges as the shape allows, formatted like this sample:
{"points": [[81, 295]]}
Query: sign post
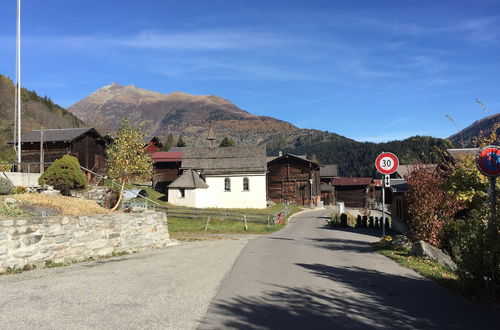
{"points": [[386, 163], [488, 163]]}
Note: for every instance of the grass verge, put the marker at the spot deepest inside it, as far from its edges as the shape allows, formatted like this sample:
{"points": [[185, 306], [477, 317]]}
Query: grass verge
{"points": [[430, 269]]}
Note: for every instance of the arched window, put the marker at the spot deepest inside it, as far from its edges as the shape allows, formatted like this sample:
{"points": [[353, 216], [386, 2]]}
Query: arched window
{"points": [[227, 184], [246, 184]]}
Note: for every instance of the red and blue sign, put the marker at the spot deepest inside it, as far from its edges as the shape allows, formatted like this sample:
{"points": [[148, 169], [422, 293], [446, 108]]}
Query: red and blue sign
{"points": [[488, 161]]}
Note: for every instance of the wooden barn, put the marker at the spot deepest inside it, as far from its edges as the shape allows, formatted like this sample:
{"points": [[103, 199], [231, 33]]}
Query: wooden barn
{"points": [[167, 168], [153, 144], [352, 191], [86, 144], [327, 173], [293, 179]]}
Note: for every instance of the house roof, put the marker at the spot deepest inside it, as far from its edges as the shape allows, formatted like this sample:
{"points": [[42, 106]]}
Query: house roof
{"points": [[285, 156], [463, 152], [162, 156], [328, 171], [56, 135], [399, 186], [189, 179], [325, 187], [225, 160], [404, 170], [352, 181]]}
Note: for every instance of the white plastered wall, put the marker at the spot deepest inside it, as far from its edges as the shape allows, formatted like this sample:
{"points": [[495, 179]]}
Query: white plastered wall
{"points": [[215, 196]]}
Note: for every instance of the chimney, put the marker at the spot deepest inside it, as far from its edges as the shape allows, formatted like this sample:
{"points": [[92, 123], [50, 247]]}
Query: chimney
{"points": [[280, 153]]}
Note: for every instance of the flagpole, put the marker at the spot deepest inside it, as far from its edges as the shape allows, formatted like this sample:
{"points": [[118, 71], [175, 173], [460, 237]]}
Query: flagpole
{"points": [[18, 68]]}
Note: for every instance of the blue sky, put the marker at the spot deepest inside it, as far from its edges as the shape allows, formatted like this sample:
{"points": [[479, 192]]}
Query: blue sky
{"points": [[368, 70]]}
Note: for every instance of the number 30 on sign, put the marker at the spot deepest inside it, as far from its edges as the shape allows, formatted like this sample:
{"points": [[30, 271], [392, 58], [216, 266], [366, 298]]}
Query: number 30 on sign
{"points": [[387, 163]]}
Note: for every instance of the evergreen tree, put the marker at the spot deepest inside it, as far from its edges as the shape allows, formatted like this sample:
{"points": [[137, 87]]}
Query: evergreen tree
{"points": [[169, 142], [227, 142], [180, 142]]}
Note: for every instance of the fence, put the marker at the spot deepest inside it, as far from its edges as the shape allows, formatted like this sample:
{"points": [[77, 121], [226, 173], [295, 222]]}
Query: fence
{"points": [[230, 215]]}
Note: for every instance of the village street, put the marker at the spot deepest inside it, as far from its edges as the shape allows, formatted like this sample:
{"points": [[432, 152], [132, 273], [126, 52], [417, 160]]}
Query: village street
{"points": [[308, 276], [304, 276]]}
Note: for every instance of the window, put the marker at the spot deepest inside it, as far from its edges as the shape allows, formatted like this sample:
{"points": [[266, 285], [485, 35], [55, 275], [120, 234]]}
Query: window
{"points": [[182, 192], [227, 184], [246, 184]]}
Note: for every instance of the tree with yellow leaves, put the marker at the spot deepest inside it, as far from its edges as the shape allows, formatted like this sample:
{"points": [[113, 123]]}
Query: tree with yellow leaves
{"points": [[127, 157]]}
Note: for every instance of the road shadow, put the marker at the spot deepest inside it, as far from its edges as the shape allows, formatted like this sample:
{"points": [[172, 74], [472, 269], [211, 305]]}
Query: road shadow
{"points": [[375, 232], [340, 244], [360, 299]]}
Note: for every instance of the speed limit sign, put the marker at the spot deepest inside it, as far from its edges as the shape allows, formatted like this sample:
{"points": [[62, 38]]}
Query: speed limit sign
{"points": [[387, 163]]}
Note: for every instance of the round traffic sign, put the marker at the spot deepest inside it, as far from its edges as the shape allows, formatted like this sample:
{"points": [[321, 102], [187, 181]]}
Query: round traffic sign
{"points": [[387, 163], [488, 160]]}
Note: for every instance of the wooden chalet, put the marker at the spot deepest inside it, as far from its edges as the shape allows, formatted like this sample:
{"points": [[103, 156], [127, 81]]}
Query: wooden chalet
{"points": [[86, 144], [167, 168], [153, 144], [327, 173], [293, 179], [352, 191]]}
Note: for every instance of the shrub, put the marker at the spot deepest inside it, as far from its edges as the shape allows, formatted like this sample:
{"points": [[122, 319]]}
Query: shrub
{"points": [[10, 210], [429, 205], [475, 245], [5, 186], [19, 190], [64, 174]]}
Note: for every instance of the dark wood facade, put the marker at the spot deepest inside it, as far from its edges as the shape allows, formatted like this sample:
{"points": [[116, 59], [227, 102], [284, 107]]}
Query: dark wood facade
{"points": [[354, 192], [87, 145], [167, 168], [289, 179]]}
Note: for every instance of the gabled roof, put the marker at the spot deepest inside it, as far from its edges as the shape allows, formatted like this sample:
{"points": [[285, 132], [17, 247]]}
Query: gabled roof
{"points": [[57, 135], [226, 160], [287, 156], [404, 170], [399, 186], [463, 152], [190, 179], [325, 187], [352, 181], [163, 156], [328, 171]]}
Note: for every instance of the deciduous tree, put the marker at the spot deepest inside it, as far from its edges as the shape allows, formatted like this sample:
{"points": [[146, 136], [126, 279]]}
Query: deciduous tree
{"points": [[127, 157], [429, 204]]}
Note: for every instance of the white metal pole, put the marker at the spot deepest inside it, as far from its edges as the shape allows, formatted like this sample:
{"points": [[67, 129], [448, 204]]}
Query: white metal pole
{"points": [[19, 84], [383, 205]]}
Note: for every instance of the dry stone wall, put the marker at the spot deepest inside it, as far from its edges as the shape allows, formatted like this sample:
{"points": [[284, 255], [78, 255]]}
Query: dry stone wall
{"points": [[64, 239]]}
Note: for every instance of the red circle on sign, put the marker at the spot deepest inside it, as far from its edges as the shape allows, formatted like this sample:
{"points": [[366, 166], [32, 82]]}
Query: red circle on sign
{"points": [[387, 163], [488, 160]]}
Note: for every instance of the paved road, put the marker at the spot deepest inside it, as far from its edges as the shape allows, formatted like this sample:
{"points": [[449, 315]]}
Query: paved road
{"points": [[311, 277], [169, 288]]}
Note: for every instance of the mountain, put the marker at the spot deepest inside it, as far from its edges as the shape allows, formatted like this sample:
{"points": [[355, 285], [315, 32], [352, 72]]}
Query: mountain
{"points": [[465, 138], [191, 116], [36, 112], [177, 113]]}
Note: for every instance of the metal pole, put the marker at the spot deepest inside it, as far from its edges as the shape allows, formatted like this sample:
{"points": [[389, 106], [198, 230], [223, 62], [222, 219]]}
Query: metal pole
{"points": [[42, 160], [493, 200], [19, 142], [383, 205]]}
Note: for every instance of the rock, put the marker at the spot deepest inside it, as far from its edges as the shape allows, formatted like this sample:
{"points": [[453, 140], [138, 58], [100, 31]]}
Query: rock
{"points": [[401, 242], [10, 200], [424, 249]]}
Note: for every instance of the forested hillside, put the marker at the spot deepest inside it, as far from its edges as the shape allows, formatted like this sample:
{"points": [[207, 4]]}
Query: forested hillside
{"points": [[37, 112], [358, 158]]}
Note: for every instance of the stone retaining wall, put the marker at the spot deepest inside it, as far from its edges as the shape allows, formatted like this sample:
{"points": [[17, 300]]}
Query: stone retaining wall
{"points": [[63, 239]]}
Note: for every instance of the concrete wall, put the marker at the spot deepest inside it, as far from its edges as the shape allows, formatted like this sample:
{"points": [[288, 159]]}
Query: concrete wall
{"points": [[32, 241], [22, 179]]}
